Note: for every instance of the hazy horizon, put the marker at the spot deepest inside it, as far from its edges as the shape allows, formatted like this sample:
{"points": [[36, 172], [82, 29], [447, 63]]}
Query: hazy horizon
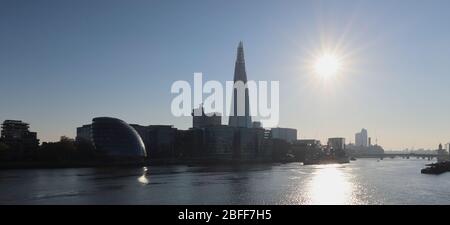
{"points": [[64, 62]]}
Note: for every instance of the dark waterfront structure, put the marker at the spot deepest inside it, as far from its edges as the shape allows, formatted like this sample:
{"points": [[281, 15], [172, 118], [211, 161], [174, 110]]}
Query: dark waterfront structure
{"points": [[219, 142], [238, 144], [337, 143], [16, 135], [287, 134], [200, 119], [84, 133], [240, 112], [115, 138], [304, 148], [250, 144], [190, 144], [159, 140], [336, 147]]}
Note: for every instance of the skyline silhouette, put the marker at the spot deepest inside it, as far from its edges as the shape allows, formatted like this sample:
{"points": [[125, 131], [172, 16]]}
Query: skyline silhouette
{"points": [[65, 63]]}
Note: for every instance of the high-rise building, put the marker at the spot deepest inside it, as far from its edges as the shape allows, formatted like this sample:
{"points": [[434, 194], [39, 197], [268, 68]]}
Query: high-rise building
{"points": [[84, 133], [249, 143], [16, 135], [287, 134], [200, 119], [240, 116], [336, 143], [220, 142], [361, 138]]}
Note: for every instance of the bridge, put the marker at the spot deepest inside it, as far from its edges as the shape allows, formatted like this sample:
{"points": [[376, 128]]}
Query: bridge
{"points": [[399, 155]]}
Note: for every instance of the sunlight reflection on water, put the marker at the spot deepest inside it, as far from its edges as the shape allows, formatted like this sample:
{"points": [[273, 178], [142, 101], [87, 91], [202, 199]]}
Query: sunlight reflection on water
{"points": [[365, 181], [330, 185], [144, 179]]}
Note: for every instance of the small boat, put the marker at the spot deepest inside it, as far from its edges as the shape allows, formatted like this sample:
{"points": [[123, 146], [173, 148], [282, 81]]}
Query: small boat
{"points": [[352, 159]]}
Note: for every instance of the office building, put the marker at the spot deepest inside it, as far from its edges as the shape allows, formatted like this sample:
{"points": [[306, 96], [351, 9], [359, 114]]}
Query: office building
{"points": [[115, 138], [220, 142], [336, 143], [249, 142], [190, 143], [361, 138], [287, 134], [84, 133], [159, 140], [200, 119], [17, 136]]}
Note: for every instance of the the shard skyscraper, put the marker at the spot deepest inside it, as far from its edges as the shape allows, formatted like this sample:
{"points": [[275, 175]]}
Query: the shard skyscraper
{"points": [[240, 116]]}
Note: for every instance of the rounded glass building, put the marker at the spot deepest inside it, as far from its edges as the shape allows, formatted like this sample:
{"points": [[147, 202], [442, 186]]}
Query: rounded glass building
{"points": [[114, 137]]}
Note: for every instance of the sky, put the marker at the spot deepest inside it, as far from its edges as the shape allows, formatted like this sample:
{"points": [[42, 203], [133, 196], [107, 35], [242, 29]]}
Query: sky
{"points": [[65, 62]]}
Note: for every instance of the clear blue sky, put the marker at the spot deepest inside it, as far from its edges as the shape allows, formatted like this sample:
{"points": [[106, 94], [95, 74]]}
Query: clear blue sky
{"points": [[64, 62]]}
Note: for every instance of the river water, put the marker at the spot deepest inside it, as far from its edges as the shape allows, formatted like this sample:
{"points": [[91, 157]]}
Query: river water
{"points": [[365, 181]]}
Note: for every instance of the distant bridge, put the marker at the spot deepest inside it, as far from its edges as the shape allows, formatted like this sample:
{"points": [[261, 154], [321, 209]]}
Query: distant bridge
{"points": [[399, 155]]}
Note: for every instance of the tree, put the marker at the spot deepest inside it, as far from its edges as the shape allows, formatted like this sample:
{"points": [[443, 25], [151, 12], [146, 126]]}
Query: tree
{"points": [[67, 140], [64, 150]]}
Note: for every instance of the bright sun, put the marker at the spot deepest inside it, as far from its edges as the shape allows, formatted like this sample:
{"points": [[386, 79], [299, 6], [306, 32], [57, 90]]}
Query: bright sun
{"points": [[327, 66]]}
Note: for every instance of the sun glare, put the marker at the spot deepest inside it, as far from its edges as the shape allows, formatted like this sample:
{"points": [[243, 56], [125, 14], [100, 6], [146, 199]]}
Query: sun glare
{"points": [[327, 65]]}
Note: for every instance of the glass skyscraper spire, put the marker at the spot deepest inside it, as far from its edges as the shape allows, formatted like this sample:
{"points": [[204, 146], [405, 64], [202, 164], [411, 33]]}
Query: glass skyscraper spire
{"points": [[240, 116]]}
